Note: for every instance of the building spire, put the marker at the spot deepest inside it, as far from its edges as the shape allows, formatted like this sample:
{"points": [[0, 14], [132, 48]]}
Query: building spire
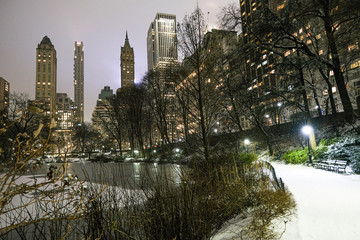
{"points": [[126, 38]]}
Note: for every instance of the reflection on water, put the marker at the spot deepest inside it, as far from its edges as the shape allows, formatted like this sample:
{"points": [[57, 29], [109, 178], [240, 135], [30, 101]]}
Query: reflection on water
{"points": [[125, 175]]}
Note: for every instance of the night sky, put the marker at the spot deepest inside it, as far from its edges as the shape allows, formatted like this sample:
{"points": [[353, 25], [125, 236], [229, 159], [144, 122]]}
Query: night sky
{"points": [[100, 24]]}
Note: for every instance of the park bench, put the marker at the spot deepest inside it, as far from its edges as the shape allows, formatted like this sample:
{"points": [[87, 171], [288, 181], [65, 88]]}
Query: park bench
{"points": [[332, 165]]}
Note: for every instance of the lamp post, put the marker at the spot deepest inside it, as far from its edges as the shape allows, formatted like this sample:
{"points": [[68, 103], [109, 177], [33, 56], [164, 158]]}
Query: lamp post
{"points": [[307, 130], [247, 142]]}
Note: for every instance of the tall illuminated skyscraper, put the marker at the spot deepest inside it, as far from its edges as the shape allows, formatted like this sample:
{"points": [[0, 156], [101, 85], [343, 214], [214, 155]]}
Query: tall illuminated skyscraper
{"points": [[162, 41], [46, 67], [127, 64], [79, 82], [162, 56]]}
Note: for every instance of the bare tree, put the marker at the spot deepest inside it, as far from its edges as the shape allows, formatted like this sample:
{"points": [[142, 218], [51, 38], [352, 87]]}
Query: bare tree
{"points": [[28, 201], [288, 29], [201, 96], [133, 102], [85, 137], [159, 103], [112, 120]]}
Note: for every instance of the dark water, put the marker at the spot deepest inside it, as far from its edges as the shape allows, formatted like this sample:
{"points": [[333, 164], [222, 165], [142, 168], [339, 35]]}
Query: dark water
{"points": [[126, 175]]}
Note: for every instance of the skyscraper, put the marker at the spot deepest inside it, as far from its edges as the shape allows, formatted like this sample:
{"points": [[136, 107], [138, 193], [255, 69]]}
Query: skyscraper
{"points": [[162, 56], [4, 97], [162, 41], [127, 64], [79, 82], [46, 66]]}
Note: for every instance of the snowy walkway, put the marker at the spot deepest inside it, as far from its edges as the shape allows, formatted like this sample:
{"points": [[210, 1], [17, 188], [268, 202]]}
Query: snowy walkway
{"points": [[328, 204]]}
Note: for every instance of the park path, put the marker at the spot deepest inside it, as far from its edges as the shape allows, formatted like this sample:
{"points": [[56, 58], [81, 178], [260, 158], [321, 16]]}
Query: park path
{"points": [[328, 203]]}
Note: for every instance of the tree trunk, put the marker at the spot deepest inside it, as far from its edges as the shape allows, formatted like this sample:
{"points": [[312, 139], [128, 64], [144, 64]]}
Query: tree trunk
{"points": [[339, 77]]}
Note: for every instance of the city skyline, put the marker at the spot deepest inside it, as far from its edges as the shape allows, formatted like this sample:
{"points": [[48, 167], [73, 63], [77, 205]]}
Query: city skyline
{"points": [[101, 26]]}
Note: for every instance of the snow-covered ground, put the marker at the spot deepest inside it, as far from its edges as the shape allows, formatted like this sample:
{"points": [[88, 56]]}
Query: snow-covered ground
{"points": [[328, 206], [328, 203]]}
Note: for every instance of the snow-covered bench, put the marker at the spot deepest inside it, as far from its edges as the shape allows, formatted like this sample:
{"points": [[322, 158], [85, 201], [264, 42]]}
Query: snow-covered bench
{"points": [[332, 165]]}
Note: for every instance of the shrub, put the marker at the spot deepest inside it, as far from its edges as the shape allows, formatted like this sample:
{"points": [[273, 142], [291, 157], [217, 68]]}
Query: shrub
{"points": [[322, 147], [297, 156], [247, 158], [208, 195]]}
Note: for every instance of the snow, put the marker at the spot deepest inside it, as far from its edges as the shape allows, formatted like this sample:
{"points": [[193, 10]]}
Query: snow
{"points": [[328, 203], [328, 206]]}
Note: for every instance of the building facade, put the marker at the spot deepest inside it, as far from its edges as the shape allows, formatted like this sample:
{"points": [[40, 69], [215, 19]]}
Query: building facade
{"points": [[4, 97], [65, 111], [162, 41], [46, 69], [162, 55], [100, 111], [79, 82], [127, 64], [314, 87]]}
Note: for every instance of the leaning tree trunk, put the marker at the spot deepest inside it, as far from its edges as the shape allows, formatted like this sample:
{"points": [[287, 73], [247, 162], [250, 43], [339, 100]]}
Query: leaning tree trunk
{"points": [[339, 77]]}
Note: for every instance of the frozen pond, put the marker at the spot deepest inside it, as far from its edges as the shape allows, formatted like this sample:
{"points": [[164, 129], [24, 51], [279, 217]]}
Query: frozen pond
{"points": [[125, 175]]}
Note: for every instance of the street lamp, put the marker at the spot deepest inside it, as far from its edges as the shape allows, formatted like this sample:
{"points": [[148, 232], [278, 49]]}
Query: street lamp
{"points": [[307, 130], [247, 142]]}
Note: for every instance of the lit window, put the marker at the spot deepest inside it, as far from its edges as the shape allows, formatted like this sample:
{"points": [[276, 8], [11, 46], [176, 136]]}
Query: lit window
{"points": [[355, 65], [353, 47]]}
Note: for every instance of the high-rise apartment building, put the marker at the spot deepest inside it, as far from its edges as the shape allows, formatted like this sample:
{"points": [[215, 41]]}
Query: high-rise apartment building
{"points": [[316, 88], [162, 41], [65, 111], [127, 64], [162, 54], [46, 67], [79, 82], [4, 97], [100, 111]]}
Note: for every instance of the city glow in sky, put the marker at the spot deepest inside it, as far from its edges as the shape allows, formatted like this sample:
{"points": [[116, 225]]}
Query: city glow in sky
{"points": [[101, 25]]}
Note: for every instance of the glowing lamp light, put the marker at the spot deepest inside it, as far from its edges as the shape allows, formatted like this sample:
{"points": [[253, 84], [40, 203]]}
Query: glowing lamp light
{"points": [[307, 130], [246, 141]]}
